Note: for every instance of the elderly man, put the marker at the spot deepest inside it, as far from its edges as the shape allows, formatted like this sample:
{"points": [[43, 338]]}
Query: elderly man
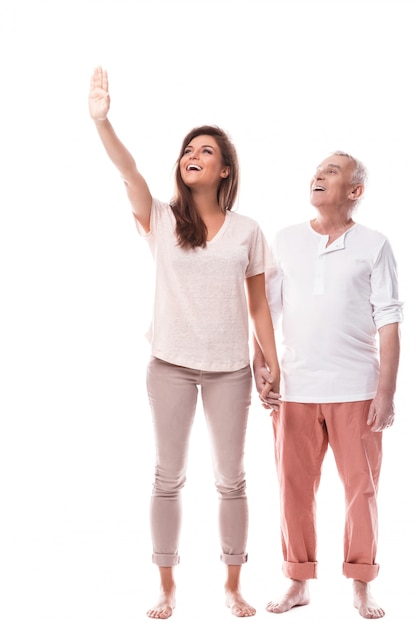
{"points": [[334, 300]]}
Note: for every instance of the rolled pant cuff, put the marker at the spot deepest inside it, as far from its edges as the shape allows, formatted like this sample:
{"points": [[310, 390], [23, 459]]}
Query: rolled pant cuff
{"points": [[300, 571], [234, 559], [165, 560], [361, 571]]}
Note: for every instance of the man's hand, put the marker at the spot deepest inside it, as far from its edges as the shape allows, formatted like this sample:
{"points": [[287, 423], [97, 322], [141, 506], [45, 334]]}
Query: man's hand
{"points": [[381, 413], [265, 384]]}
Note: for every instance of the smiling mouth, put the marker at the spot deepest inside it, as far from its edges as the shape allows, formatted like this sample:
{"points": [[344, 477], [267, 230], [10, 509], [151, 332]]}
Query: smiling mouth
{"points": [[193, 168], [318, 188]]}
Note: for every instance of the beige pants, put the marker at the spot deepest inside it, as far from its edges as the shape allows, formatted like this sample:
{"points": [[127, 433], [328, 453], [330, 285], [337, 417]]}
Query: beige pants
{"points": [[302, 434], [225, 396]]}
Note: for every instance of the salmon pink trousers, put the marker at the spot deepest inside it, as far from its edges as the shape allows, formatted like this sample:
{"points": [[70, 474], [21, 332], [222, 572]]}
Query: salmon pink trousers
{"points": [[226, 397], [302, 434]]}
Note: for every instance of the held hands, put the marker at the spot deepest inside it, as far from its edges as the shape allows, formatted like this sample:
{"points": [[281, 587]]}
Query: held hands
{"points": [[267, 386], [99, 98]]}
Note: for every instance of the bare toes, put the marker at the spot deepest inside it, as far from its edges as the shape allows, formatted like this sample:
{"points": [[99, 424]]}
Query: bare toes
{"points": [[372, 613], [160, 612], [243, 611], [238, 606]]}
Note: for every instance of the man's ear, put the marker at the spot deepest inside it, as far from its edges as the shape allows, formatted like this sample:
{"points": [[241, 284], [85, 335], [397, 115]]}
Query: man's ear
{"points": [[357, 191]]}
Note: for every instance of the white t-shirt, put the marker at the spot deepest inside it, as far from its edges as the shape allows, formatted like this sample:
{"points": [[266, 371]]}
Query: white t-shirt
{"points": [[200, 316], [327, 304]]}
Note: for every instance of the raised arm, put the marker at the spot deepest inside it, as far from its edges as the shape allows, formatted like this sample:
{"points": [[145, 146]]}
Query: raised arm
{"points": [[136, 186]]}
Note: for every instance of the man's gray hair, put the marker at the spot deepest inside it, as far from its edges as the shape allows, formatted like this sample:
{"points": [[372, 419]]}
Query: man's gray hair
{"points": [[360, 173]]}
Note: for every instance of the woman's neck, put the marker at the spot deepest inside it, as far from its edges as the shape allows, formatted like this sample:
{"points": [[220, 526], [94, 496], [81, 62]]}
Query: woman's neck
{"points": [[206, 204]]}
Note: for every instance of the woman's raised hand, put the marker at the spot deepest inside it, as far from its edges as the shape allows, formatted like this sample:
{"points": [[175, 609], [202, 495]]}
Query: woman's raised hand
{"points": [[99, 97]]}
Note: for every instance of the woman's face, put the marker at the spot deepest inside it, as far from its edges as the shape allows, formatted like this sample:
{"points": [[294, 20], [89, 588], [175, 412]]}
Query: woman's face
{"points": [[201, 164]]}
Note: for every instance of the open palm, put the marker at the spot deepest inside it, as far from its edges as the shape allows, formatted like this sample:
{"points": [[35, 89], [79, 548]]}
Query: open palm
{"points": [[99, 98]]}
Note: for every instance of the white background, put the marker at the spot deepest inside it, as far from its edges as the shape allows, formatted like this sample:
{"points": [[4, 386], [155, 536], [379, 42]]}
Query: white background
{"points": [[290, 81]]}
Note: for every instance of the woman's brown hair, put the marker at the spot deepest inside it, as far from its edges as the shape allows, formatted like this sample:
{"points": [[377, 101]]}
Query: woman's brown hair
{"points": [[191, 230]]}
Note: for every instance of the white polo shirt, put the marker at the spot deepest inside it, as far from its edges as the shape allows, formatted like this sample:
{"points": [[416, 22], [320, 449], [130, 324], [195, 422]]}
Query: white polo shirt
{"points": [[327, 305], [200, 317]]}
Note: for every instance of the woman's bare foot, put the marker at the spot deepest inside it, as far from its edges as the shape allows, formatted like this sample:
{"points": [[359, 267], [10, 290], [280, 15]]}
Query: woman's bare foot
{"points": [[165, 605], [234, 600], [238, 605], [297, 595], [364, 602]]}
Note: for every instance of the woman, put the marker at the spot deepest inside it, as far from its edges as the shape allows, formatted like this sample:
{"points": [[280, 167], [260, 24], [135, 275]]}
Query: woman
{"points": [[207, 259]]}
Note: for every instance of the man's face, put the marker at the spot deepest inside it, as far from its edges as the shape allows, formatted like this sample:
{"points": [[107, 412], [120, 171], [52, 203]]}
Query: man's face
{"points": [[332, 184]]}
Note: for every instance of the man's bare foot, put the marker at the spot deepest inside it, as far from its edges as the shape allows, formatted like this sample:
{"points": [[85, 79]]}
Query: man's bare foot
{"points": [[297, 595], [165, 605], [238, 605], [364, 602]]}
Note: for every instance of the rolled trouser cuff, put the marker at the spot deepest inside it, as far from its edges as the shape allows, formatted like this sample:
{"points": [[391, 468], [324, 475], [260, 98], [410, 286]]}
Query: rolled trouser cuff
{"points": [[234, 559], [300, 571], [165, 560], [361, 571]]}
